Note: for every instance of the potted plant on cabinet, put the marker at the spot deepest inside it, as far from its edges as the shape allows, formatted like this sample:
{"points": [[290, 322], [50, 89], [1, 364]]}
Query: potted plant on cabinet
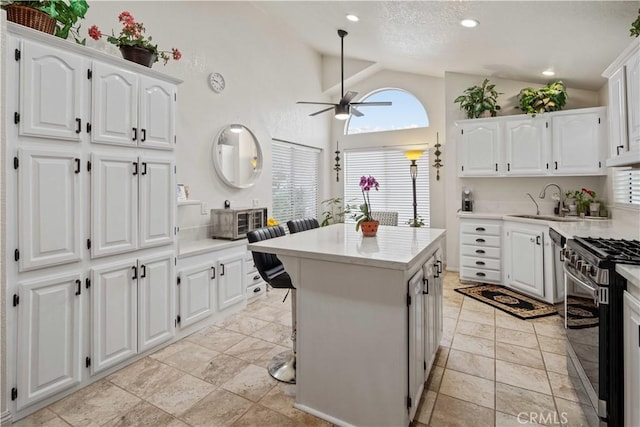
{"points": [[551, 97], [49, 16], [477, 100], [635, 26]]}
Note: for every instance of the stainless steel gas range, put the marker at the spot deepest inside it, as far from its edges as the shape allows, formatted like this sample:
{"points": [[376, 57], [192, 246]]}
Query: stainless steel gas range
{"points": [[593, 318]]}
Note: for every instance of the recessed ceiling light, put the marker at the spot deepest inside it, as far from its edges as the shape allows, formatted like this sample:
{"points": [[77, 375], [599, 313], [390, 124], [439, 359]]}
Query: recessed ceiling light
{"points": [[353, 18], [469, 23], [548, 73]]}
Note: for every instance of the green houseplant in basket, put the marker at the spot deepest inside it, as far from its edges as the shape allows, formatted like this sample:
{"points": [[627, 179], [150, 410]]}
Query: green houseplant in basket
{"points": [[551, 97], [478, 99]]}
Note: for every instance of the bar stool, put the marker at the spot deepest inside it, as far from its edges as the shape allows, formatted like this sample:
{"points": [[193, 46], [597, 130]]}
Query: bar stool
{"points": [[302, 224], [283, 365]]}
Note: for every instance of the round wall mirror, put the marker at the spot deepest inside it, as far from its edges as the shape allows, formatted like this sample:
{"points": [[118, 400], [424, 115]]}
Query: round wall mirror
{"points": [[237, 156]]}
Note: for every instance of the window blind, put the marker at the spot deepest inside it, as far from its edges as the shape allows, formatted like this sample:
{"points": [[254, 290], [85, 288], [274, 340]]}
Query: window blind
{"points": [[294, 182], [626, 186], [391, 169]]}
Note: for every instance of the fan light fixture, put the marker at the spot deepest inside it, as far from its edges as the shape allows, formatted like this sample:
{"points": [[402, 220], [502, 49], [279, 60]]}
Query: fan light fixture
{"points": [[342, 111], [469, 23], [235, 128]]}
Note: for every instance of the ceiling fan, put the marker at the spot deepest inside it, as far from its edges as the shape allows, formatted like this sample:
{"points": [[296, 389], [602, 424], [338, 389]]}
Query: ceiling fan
{"points": [[345, 106]]}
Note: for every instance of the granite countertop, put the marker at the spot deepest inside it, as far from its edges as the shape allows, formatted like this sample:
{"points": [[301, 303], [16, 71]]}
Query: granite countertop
{"points": [[197, 247], [395, 248]]}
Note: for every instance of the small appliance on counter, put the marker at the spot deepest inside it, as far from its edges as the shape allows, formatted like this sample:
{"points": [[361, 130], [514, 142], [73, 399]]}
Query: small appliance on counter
{"points": [[234, 224], [467, 200]]}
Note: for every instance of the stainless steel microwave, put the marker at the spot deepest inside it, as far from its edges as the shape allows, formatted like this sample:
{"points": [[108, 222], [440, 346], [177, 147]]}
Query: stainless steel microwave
{"points": [[234, 224]]}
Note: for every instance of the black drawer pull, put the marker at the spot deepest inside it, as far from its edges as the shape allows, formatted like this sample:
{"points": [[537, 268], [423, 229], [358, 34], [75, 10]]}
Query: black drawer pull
{"points": [[256, 290], [135, 272], [143, 273], [135, 168], [480, 229], [256, 277], [77, 170], [479, 262], [222, 269], [213, 272], [479, 251], [480, 240], [480, 274], [79, 284], [144, 135], [618, 149], [78, 125]]}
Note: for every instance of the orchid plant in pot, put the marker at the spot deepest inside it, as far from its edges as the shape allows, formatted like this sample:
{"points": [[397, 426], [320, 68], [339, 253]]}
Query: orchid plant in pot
{"points": [[364, 219]]}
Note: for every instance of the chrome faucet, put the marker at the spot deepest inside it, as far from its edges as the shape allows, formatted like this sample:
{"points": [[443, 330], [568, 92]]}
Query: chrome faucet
{"points": [[558, 210], [536, 203]]}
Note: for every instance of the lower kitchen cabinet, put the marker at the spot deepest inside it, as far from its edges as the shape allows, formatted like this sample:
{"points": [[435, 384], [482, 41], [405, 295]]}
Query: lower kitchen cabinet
{"points": [[231, 287], [196, 293], [49, 336], [631, 327], [524, 258], [480, 250], [155, 300]]}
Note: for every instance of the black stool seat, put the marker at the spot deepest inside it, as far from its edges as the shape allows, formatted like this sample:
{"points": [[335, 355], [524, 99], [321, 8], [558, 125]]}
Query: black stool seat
{"points": [[302, 224], [268, 265]]}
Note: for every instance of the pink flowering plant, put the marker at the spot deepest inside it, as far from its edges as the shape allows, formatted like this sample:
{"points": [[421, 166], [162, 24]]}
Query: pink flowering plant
{"points": [[366, 184], [132, 34]]}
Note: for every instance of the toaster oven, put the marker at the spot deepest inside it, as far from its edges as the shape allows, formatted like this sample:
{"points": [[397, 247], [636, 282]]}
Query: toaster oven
{"points": [[234, 224]]}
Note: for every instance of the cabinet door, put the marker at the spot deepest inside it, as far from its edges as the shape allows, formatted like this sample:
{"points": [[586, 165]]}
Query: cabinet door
{"points": [[632, 68], [114, 326], [155, 300], [430, 272], [230, 281], [49, 334], [157, 114], [577, 143], [49, 208], [157, 202], [53, 83], [479, 149], [526, 146], [416, 341], [525, 249], [618, 141], [631, 328], [114, 204], [439, 294], [196, 294], [115, 105]]}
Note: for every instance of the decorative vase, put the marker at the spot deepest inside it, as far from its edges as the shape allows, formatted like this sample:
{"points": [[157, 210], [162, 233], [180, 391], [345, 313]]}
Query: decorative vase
{"points": [[594, 209], [139, 55], [30, 17], [369, 228]]}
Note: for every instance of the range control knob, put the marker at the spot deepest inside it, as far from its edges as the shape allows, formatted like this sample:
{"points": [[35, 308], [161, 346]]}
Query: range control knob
{"points": [[585, 267], [593, 271]]}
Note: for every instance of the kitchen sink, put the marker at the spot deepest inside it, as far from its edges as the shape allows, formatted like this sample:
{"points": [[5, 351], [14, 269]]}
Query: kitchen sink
{"points": [[548, 218]]}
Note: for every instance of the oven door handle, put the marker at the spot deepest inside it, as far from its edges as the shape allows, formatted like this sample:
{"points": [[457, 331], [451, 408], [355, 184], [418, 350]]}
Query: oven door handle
{"points": [[583, 284]]}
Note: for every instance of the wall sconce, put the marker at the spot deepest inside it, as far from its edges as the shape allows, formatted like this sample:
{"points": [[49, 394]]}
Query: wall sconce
{"points": [[236, 128], [337, 165], [437, 161], [414, 155]]}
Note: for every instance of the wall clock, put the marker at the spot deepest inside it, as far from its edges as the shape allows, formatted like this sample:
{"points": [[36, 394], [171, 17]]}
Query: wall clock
{"points": [[216, 82]]}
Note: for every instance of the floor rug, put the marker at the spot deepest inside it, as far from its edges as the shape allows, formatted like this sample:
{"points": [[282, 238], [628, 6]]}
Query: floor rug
{"points": [[509, 301], [581, 313]]}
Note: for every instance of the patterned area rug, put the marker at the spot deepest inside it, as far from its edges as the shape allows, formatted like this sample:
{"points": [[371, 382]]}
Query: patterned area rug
{"points": [[581, 313], [514, 303]]}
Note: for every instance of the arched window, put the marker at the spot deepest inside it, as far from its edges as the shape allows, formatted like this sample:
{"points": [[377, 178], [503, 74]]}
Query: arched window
{"points": [[406, 112]]}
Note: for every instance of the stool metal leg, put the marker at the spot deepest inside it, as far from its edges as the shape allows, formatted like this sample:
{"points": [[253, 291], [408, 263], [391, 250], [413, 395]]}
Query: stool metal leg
{"points": [[283, 366]]}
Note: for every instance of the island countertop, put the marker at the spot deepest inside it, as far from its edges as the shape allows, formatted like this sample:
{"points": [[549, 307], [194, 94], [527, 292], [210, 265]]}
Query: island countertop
{"points": [[393, 247]]}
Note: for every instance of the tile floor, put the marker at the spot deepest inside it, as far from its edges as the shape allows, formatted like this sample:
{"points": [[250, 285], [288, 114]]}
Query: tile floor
{"points": [[492, 369]]}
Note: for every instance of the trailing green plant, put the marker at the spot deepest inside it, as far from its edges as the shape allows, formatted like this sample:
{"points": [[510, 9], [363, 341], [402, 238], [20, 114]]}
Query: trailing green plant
{"points": [[478, 99], [67, 13], [635, 26], [551, 97]]}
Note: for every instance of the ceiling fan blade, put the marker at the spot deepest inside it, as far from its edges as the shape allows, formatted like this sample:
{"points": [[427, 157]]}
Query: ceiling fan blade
{"points": [[371, 104], [321, 111], [355, 111], [346, 99], [316, 103]]}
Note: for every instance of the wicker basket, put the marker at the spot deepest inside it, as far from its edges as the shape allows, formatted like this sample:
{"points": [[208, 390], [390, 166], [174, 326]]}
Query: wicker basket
{"points": [[30, 17]]}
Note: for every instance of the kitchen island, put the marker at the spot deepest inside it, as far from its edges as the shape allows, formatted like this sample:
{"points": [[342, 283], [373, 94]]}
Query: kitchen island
{"points": [[367, 323]]}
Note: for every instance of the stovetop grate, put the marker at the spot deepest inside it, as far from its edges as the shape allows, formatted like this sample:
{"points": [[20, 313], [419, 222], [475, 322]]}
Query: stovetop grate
{"points": [[616, 250]]}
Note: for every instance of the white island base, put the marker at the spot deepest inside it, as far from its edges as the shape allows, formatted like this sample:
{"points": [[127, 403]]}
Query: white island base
{"points": [[355, 329]]}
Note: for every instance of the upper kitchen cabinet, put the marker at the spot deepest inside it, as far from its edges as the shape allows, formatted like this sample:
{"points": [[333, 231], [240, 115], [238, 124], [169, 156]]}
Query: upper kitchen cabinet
{"points": [[131, 109], [526, 142], [578, 141], [624, 107], [53, 91], [479, 148]]}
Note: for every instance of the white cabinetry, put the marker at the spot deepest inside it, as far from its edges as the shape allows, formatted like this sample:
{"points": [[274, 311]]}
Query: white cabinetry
{"points": [[526, 145], [479, 148], [256, 286], [416, 340], [480, 243], [196, 286], [577, 141], [524, 260], [631, 328], [624, 107], [49, 336], [231, 287], [432, 302]]}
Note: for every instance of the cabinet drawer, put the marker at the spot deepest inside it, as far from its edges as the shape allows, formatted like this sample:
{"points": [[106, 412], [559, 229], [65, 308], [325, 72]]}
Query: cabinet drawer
{"points": [[256, 290], [480, 240], [479, 228], [250, 267], [253, 278], [480, 251], [480, 275], [481, 263]]}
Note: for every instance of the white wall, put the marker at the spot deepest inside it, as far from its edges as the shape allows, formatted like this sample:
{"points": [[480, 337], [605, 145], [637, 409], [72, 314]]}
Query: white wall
{"points": [[506, 195], [265, 74]]}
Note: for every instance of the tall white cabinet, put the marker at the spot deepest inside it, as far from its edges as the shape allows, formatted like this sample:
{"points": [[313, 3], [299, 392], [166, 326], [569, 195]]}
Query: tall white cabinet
{"points": [[90, 228]]}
